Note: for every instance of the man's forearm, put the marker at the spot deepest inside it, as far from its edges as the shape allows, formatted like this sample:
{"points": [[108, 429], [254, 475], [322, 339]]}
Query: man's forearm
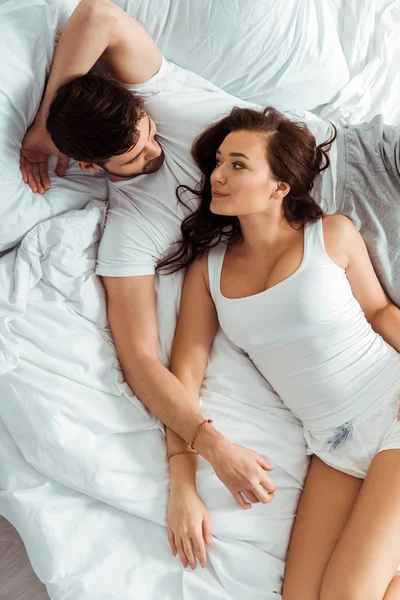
{"points": [[86, 36], [166, 397]]}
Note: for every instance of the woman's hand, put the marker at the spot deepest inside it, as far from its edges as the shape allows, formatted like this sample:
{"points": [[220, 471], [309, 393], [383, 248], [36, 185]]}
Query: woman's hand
{"points": [[189, 526], [37, 146]]}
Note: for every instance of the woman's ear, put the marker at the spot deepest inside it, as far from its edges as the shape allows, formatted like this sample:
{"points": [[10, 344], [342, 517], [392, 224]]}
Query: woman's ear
{"points": [[89, 167], [281, 190]]}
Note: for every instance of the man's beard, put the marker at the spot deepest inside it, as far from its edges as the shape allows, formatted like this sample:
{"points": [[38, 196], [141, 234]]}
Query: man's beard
{"points": [[151, 167]]}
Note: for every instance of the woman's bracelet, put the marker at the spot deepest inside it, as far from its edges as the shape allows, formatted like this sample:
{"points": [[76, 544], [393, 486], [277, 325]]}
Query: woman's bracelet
{"points": [[200, 427], [171, 454]]}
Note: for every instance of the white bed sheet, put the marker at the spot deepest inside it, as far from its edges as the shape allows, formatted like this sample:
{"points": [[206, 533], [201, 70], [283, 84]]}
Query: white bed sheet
{"points": [[264, 51], [28, 29], [76, 424], [369, 31], [83, 475]]}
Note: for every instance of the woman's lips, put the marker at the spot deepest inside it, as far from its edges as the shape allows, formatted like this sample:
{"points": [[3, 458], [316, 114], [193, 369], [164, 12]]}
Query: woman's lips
{"points": [[219, 194]]}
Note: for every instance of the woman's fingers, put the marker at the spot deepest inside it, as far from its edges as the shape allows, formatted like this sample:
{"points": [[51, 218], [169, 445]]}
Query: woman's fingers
{"points": [[171, 539], [188, 547], [181, 551], [207, 530], [200, 548]]}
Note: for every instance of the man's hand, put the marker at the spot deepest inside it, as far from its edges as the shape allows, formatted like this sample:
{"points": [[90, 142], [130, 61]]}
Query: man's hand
{"points": [[242, 471], [37, 146]]}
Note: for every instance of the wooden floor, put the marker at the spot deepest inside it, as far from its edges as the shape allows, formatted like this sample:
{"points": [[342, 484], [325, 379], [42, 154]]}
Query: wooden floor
{"points": [[17, 580]]}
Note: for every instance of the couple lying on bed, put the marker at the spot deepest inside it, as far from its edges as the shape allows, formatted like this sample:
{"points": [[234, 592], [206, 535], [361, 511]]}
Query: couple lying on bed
{"points": [[291, 286]]}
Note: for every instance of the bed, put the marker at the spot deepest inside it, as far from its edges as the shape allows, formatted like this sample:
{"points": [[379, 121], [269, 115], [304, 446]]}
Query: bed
{"points": [[83, 473]]}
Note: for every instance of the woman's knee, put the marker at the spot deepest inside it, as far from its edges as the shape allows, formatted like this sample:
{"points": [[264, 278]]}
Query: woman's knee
{"points": [[337, 588], [351, 591], [335, 594]]}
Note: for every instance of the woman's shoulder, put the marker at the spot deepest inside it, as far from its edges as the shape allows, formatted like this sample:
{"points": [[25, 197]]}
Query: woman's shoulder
{"points": [[337, 222], [340, 235], [199, 268], [339, 227]]}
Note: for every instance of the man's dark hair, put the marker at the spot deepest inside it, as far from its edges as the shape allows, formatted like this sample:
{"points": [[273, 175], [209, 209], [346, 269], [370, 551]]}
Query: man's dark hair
{"points": [[93, 118]]}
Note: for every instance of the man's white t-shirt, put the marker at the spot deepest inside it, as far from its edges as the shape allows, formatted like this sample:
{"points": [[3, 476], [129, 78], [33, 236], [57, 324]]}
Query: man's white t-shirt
{"points": [[144, 214]]}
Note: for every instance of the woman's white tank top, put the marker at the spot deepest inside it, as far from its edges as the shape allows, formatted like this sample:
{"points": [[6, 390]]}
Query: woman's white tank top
{"points": [[309, 337]]}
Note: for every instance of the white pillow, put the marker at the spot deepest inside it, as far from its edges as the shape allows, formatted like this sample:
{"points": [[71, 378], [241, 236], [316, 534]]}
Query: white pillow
{"points": [[280, 52], [28, 30]]}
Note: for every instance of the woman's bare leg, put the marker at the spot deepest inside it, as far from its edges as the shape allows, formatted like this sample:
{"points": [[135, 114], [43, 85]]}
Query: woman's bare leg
{"points": [[327, 500], [393, 591], [368, 553]]}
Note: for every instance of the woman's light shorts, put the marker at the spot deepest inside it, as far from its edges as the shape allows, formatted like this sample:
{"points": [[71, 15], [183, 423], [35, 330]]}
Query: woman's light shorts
{"points": [[351, 447]]}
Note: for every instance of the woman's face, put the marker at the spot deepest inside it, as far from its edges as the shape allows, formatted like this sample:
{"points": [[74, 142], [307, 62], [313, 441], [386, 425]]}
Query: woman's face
{"points": [[242, 182]]}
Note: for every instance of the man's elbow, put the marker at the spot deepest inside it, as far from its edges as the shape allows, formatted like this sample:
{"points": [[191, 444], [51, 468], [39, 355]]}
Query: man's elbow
{"points": [[134, 354], [96, 10], [139, 367]]}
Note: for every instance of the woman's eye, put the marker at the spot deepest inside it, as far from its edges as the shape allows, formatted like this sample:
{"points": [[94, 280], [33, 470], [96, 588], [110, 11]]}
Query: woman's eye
{"points": [[237, 165]]}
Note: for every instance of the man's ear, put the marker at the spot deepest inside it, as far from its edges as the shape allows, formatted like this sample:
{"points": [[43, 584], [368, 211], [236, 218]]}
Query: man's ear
{"points": [[89, 167]]}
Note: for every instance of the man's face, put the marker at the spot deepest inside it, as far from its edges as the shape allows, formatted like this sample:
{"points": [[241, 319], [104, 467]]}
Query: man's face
{"points": [[145, 157]]}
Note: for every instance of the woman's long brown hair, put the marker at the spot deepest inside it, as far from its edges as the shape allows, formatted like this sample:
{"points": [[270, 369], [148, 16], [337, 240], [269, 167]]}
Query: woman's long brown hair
{"points": [[293, 157]]}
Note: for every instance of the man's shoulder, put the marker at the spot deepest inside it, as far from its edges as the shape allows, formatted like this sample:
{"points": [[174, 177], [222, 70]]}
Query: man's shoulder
{"points": [[168, 79]]}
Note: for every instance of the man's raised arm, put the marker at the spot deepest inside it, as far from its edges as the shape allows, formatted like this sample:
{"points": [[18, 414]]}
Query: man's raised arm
{"points": [[97, 29]]}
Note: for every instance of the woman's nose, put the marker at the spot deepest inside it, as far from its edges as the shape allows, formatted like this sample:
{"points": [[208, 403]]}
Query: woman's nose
{"points": [[218, 175]]}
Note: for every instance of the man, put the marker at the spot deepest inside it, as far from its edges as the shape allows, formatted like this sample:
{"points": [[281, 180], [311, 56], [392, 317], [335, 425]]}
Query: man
{"points": [[113, 132], [112, 128]]}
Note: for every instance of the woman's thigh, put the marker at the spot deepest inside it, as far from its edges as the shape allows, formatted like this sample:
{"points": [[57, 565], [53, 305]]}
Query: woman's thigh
{"points": [[368, 552], [324, 509]]}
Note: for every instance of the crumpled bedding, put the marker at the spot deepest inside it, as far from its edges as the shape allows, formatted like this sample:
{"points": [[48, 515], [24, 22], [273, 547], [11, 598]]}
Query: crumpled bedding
{"points": [[83, 474], [75, 425]]}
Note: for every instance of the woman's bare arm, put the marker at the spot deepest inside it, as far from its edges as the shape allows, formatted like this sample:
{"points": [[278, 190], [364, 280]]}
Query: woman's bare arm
{"points": [[194, 335], [342, 238]]}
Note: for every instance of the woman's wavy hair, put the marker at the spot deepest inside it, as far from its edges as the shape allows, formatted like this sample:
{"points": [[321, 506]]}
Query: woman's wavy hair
{"points": [[293, 157]]}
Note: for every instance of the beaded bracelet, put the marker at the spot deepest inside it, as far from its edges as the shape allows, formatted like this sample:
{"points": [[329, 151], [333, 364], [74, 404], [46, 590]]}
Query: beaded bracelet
{"points": [[200, 427], [171, 454]]}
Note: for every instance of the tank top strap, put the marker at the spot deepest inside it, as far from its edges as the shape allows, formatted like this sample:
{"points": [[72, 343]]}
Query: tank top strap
{"points": [[216, 257], [314, 246]]}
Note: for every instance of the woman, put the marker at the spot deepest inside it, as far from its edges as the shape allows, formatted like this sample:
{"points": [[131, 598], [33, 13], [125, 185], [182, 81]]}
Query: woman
{"points": [[295, 290]]}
